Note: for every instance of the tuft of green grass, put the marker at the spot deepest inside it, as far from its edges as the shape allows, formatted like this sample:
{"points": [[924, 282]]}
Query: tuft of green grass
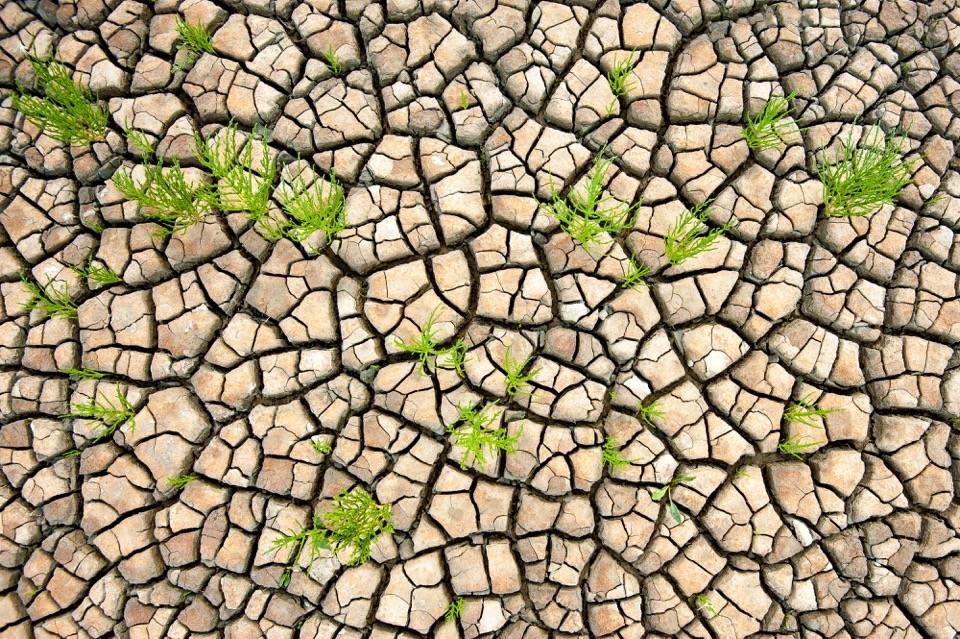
{"points": [[73, 452], [618, 77], [164, 194], [804, 411], [96, 273], [690, 236], [83, 373], [110, 416], [646, 413], [454, 610], [51, 300], [321, 446], [312, 208], [586, 214], [611, 455], [768, 128], [333, 62], [65, 111], [475, 436], [863, 177], [636, 274], [179, 482], [430, 354], [516, 378], [354, 524], [194, 37], [666, 491], [797, 447], [706, 605]]}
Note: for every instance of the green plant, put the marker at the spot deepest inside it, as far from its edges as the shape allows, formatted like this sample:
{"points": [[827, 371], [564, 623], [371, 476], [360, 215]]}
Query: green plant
{"points": [[110, 416], [428, 351], [194, 37], [648, 412], [65, 111], [618, 77], [666, 491], [586, 214], [454, 357], [332, 60], [95, 273], [690, 236], [354, 523], [769, 128], [51, 300], [179, 482], [636, 274], [863, 177], [740, 472], [706, 605], [475, 436], [321, 446], [454, 610], [317, 207], [73, 452], [797, 447], [165, 194], [516, 378], [243, 182], [611, 455], [463, 100], [139, 141], [83, 373], [804, 411]]}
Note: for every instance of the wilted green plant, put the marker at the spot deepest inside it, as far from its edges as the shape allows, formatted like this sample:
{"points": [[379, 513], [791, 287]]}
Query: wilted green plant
{"points": [[317, 207], [516, 378], [804, 411], [648, 412], [96, 273], [474, 435], [179, 482], [769, 129], [321, 446], [586, 214], [51, 300], [666, 490], [863, 177], [636, 274], [690, 236], [332, 60], [110, 416], [428, 351], [454, 610], [797, 447], [611, 455], [65, 111], [354, 524], [83, 373], [194, 37], [618, 77], [243, 182]]}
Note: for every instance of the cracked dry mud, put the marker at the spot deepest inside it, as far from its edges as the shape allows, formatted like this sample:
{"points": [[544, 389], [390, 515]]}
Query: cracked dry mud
{"points": [[239, 353]]}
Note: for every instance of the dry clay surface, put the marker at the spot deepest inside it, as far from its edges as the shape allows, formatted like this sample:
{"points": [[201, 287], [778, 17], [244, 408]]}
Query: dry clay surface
{"points": [[448, 121]]}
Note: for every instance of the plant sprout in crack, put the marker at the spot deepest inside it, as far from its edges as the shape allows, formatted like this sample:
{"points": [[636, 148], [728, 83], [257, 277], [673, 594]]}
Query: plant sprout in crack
{"points": [[690, 236], [705, 605], [49, 299], [797, 447], [194, 38], [648, 412], [99, 274], [353, 524], [318, 206], [109, 415], [426, 347], [611, 455], [475, 436], [586, 214], [454, 610], [83, 373], [769, 128], [804, 411], [179, 482], [636, 274], [666, 491], [516, 378]]}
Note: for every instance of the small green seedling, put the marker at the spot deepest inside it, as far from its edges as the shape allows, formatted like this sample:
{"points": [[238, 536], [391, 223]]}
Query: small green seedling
{"points": [[666, 490], [51, 300], [73, 452], [586, 214], [454, 610], [474, 435], [99, 274], [65, 111], [333, 62], [311, 208], [797, 447], [636, 274], [454, 357], [618, 77], [179, 482], [194, 37], [321, 446], [648, 412], [110, 416], [769, 128], [612, 456], [741, 472], [354, 524], [804, 411], [690, 236], [83, 373], [863, 177], [428, 351], [705, 605], [516, 378], [463, 100]]}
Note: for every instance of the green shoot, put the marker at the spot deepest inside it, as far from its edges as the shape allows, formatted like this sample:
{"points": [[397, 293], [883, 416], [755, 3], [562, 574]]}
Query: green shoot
{"points": [[803, 411], [797, 447], [590, 217], [426, 347], [321, 446], [179, 482], [66, 111], [243, 182], [454, 610], [194, 37], [139, 141], [648, 412], [110, 416], [740, 472], [332, 60], [611, 455], [103, 275], [706, 605], [767, 129], [453, 357], [51, 300], [516, 379], [83, 373], [636, 274], [354, 523], [666, 490], [689, 236], [73, 452], [618, 77], [317, 207], [864, 177], [463, 100], [474, 435]]}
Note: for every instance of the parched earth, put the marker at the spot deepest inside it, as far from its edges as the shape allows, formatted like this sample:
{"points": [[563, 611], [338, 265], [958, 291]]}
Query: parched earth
{"points": [[242, 356]]}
